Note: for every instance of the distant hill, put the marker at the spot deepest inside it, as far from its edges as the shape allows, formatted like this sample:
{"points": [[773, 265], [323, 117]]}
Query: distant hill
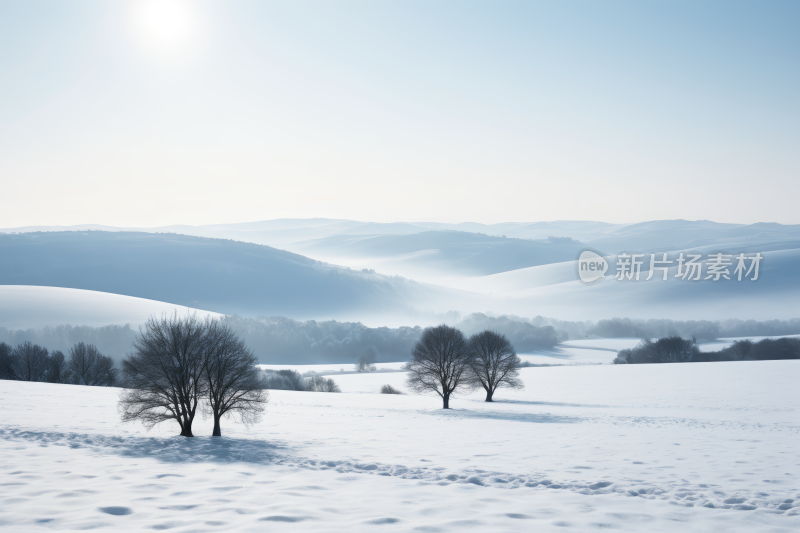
{"points": [[451, 252], [434, 250], [25, 306], [473, 271], [289, 230], [212, 274]]}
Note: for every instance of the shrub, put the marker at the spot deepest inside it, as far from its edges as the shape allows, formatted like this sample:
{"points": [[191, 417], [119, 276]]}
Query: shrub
{"points": [[320, 384], [292, 380], [671, 349], [388, 389]]}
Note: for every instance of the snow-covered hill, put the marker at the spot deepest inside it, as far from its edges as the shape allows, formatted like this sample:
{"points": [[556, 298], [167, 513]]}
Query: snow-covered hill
{"points": [[24, 307], [217, 275], [247, 279]]}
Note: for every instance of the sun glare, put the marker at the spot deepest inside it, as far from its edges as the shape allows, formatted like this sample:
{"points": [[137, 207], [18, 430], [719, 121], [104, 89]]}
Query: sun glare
{"points": [[165, 22]]}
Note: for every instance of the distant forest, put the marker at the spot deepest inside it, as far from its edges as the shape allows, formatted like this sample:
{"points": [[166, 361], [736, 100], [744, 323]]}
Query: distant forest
{"points": [[279, 340], [677, 350], [702, 330]]}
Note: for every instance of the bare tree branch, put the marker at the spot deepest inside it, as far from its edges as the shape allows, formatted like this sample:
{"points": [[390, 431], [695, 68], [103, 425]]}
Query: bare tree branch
{"points": [[164, 374], [89, 367], [234, 386], [439, 362], [494, 363], [29, 362]]}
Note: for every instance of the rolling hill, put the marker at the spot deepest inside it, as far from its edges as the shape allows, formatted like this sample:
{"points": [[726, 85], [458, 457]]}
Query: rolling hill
{"points": [[212, 274]]}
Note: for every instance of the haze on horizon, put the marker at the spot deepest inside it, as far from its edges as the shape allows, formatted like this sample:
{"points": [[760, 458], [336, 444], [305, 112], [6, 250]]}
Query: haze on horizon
{"points": [[149, 113]]}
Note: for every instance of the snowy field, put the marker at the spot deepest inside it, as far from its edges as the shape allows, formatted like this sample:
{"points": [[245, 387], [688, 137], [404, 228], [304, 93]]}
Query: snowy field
{"points": [[700, 447], [580, 352]]}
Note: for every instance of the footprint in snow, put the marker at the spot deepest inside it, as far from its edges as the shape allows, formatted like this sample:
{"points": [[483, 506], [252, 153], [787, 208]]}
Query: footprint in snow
{"points": [[381, 521], [116, 510], [279, 518]]}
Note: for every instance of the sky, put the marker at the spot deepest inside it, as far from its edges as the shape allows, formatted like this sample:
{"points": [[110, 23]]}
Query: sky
{"points": [[156, 112]]}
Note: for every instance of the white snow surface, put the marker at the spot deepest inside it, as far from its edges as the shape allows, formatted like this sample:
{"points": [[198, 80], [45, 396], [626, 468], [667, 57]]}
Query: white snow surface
{"points": [[581, 448], [28, 306]]}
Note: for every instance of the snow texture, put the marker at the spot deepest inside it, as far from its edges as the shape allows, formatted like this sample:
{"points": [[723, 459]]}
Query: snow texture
{"points": [[692, 447]]}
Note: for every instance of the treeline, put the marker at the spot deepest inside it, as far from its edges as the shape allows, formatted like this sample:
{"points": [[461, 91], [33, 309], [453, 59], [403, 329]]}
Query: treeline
{"points": [[84, 365], [703, 330], [763, 350], [675, 349], [280, 340], [113, 341], [524, 335], [293, 380]]}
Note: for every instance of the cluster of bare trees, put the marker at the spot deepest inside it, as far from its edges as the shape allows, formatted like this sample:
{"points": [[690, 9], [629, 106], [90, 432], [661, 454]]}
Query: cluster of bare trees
{"points": [[84, 365], [292, 380], [182, 366], [444, 360]]}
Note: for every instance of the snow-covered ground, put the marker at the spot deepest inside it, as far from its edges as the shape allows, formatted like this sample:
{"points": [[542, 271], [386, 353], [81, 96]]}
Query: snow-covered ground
{"points": [[701, 447]]}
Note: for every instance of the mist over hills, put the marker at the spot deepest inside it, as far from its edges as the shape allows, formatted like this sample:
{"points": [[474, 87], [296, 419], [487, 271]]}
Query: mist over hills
{"points": [[452, 252], [211, 274], [429, 251], [446, 268]]}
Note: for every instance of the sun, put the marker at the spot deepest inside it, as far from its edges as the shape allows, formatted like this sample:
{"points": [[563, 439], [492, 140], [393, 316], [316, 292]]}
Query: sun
{"points": [[165, 22]]}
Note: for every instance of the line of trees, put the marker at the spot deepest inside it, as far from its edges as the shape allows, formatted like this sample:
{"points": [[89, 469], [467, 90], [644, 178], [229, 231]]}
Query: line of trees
{"points": [[675, 349], [699, 329], [84, 365], [182, 366], [293, 380], [444, 361], [278, 340], [763, 350]]}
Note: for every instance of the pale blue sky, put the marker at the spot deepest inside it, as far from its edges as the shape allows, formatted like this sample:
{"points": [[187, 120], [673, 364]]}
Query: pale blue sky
{"points": [[203, 112]]}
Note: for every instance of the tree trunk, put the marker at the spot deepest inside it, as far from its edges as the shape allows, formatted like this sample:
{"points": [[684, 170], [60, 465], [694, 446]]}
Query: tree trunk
{"points": [[446, 401], [489, 395], [217, 430], [186, 428]]}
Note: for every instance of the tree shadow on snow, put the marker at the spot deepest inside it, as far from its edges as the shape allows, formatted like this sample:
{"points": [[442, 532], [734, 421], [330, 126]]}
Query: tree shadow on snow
{"points": [[554, 404], [535, 418], [167, 449]]}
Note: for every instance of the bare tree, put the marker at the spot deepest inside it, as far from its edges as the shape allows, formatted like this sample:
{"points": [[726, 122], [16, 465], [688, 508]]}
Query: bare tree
{"points": [[30, 362], [234, 385], [439, 362], [365, 365], [89, 367], [7, 362], [164, 374], [58, 370], [321, 384], [494, 363]]}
